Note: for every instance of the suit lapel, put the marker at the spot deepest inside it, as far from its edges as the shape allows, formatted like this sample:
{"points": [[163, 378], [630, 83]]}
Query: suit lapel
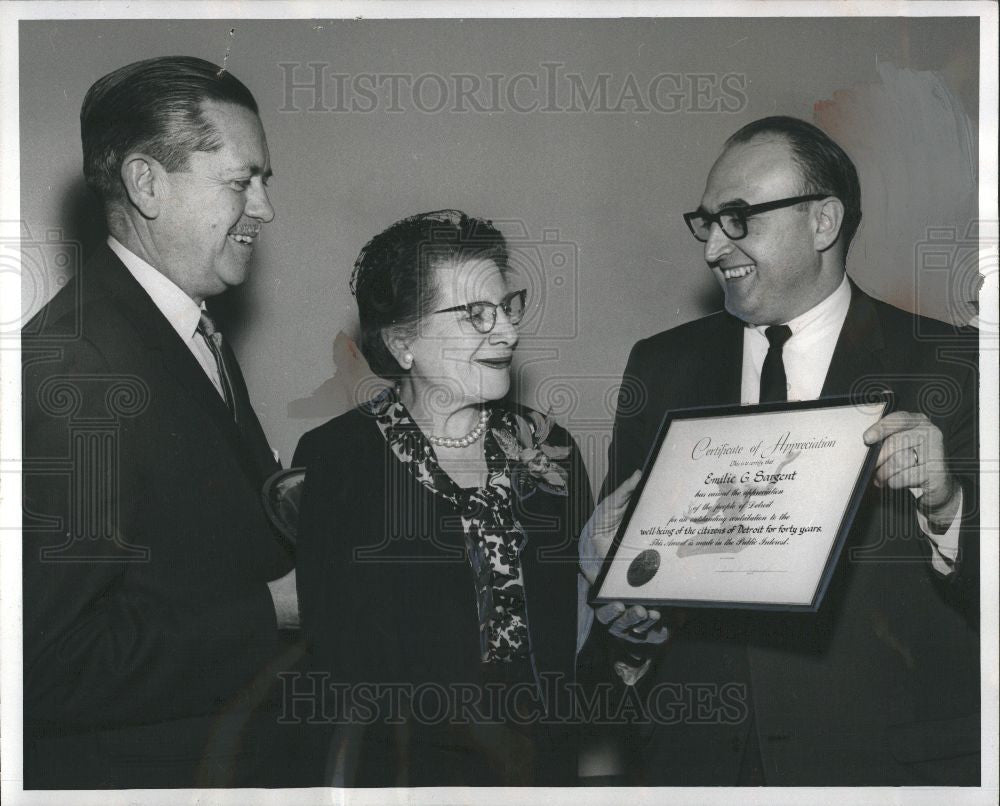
{"points": [[161, 340], [721, 380], [857, 366]]}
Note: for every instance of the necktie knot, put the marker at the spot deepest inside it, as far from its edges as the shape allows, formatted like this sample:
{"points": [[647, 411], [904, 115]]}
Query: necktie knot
{"points": [[777, 335], [206, 326]]}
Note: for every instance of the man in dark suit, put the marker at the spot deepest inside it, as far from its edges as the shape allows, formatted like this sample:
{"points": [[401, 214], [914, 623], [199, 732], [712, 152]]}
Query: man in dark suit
{"points": [[155, 591], [881, 686]]}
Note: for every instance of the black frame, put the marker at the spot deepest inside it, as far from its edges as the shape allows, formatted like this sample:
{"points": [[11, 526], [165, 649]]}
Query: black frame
{"points": [[860, 484], [746, 211], [503, 304]]}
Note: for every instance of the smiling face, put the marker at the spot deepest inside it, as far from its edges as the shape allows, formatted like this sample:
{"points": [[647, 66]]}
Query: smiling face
{"points": [[776, 272], [449, 355], [212, 212]]}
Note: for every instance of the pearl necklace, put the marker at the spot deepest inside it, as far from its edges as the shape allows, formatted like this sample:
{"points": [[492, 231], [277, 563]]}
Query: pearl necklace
{"points": [[462, 442]]}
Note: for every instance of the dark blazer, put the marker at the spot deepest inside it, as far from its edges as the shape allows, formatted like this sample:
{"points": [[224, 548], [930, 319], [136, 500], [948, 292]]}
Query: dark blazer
{"points": [[387, 597], [149, 629], [881, 686]]}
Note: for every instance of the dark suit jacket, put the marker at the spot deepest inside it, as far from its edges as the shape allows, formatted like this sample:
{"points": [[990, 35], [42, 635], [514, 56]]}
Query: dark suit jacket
{"points": [[149, 629], [387, 597], [881, 686]]}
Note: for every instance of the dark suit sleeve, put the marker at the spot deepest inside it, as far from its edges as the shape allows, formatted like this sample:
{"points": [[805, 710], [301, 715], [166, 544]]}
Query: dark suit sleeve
{"points": [[305, 451], [626, 454], [961, 442], [100, 649], [628, 448], [337, 593]]}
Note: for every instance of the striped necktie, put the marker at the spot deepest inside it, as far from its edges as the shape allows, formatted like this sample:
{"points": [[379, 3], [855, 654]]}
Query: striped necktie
{"points": [[213, 338]]}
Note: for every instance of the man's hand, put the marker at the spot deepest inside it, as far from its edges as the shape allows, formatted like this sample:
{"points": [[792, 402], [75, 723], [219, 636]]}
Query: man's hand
{"points": [[633, 624], [912, 457], [286, 601]]}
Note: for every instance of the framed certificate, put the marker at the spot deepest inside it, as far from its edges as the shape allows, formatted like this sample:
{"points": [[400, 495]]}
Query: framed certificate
{"points": [[743, 506]]}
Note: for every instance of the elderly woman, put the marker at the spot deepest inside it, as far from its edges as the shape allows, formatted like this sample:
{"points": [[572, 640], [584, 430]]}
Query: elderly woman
{"points": [[437, 556]]}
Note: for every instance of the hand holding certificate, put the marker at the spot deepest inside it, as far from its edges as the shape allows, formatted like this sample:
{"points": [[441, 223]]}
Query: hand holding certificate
{"points": [[631, 624], [743, 507]]}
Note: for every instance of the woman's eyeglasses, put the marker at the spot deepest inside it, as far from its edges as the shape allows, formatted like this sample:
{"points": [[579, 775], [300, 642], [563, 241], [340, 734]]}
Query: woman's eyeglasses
{"points": [[483, 315]]}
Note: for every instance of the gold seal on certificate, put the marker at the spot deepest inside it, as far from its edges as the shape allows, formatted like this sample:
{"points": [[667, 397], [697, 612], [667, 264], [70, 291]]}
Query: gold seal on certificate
{"points": [[743, 506]]}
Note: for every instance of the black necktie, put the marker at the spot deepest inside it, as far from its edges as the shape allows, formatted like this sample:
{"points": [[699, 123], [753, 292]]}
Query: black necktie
{"points": [[773, 385], [213, 338]]}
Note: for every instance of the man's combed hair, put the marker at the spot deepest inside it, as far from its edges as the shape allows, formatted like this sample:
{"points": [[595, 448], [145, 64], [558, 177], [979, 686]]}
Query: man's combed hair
{"points": [[394, 279], [825, 166], [153, 107]]}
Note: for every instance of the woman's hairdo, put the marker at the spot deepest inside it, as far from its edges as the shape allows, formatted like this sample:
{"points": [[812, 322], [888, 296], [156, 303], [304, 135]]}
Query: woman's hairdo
{"points": [[154, 107], [394, 280]]}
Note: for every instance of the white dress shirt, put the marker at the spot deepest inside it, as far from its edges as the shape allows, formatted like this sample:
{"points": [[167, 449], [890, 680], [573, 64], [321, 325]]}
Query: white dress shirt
{"points": [[807, 355], [182, 312]]}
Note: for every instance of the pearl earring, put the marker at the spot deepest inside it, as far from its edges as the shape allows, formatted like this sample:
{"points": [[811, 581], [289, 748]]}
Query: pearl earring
{"points": [[407, 359]]}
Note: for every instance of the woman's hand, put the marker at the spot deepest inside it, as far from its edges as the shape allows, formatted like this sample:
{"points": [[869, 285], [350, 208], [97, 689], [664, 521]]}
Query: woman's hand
{"points": [[636, 624]]}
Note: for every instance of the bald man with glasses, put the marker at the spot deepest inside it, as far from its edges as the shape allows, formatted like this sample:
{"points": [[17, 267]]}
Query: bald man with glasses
{"points": [[881, 686]]}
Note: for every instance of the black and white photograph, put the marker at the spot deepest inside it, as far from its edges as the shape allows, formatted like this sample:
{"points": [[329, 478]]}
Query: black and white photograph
{"points": [[339, 342]]}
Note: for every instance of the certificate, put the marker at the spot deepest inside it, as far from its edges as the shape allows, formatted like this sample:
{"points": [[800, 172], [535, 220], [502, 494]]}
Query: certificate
{"points": [[743, 507]]}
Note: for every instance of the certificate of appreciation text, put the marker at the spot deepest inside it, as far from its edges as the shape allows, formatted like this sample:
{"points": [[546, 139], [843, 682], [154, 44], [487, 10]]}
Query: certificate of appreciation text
{"points": [[743, 507]]}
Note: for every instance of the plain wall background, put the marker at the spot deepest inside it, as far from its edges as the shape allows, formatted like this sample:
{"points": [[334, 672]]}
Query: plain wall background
{"points": [[602, 189]]}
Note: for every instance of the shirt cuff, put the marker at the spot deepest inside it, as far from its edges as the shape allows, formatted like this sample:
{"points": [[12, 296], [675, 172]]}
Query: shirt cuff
{"points": [[631, 675], [944, 547]]}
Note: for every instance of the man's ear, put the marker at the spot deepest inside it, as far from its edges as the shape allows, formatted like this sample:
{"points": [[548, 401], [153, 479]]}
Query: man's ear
{"points": [[398, 346], [144, 179], [829, 219]]}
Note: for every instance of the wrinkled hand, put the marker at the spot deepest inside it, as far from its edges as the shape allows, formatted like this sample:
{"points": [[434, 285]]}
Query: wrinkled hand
{"points": [[631, 624], [286, 601], [912, 457]]}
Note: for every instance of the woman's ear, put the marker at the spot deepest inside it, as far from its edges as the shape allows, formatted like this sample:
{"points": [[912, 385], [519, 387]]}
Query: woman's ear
{"points": [[829, 219], [399, 347]]}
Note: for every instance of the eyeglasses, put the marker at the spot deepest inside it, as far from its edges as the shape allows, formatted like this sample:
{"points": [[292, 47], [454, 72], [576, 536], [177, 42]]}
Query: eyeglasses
{"points": [[733, 220], [483, 315]]}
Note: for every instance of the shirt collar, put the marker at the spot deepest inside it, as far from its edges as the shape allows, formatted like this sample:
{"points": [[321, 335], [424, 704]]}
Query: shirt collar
{"points": [[832, 310], [178, 308]]}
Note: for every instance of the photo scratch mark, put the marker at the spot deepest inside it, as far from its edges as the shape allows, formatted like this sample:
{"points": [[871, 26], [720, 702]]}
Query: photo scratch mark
{"points": [[229, 47]]}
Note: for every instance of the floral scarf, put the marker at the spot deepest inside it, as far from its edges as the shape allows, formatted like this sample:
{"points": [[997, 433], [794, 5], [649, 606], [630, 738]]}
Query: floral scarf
{"points": [[493, 537]]}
